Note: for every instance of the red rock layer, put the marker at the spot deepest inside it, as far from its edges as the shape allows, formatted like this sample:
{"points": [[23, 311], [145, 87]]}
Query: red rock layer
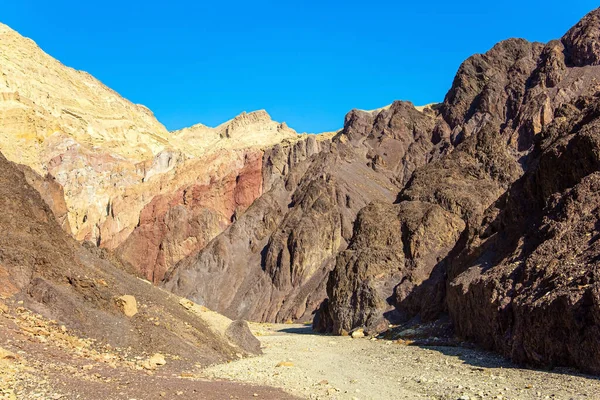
{"points": [[173, 226]]}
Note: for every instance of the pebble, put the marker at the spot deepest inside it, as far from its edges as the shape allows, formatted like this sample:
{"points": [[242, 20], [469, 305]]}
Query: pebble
{"points": [[357, 334], [285, 364]]}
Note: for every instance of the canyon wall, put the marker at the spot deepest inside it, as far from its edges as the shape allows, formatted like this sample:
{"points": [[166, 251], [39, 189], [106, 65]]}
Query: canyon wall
{"points": [[482, 208]]}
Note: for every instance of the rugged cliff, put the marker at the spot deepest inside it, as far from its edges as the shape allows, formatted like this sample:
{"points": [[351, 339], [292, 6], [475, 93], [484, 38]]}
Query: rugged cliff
{"points": [[153, 196], [500, 231], [482, 208]]}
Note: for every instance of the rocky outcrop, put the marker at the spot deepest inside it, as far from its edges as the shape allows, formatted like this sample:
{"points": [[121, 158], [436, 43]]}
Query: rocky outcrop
{"points": [[51, 274], [272, 263], [512, 207], [389, 270], [527, 276]]}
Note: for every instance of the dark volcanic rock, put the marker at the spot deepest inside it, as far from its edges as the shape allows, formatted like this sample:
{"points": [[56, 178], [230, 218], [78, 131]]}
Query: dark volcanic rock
{"points": [[526, 283], [512, 205], [392, 243], [582, 42]]}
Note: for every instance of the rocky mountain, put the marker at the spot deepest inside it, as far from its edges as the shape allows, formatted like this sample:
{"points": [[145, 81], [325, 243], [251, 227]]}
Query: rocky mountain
{"points": [[481, 209], [501, 230], [127, 181]]}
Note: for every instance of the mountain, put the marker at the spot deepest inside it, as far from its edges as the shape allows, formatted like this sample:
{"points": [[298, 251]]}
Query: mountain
{"points": [[481, 210], [127, 180], [512, 207]]}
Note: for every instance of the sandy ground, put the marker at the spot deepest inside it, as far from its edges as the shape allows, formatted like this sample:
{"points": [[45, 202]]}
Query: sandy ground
{"points": [[329, 367]]}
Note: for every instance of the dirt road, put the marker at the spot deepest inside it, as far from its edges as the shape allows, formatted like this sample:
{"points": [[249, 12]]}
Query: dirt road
{"points": [[328, 367]]}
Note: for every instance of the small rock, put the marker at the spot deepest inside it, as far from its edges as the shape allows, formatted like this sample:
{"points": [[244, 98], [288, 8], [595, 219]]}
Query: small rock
{"points": [[359, 333], [285, 364], [7, 355], [128, 305], [154, 361], [464, 397], [158, 359]]}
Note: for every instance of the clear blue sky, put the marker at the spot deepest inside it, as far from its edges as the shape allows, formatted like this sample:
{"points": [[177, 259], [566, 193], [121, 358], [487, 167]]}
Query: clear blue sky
{"points": [[306, 62]]}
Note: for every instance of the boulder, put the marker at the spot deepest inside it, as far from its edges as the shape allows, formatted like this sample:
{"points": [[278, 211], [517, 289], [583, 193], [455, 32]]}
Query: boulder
{"points": [[128, 305], [238, 332]]}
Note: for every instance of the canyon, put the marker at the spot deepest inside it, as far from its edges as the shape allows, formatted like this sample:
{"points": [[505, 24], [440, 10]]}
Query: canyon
{"points": [[477, 216]]}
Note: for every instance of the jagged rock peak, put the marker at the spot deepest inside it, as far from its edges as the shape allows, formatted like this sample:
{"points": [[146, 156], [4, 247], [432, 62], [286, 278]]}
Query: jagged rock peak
{"points": [[254, 129], [249, 118], [582, 42]]}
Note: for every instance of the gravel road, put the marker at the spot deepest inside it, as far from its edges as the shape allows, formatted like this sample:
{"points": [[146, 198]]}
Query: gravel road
{"points": [[328, 367]]}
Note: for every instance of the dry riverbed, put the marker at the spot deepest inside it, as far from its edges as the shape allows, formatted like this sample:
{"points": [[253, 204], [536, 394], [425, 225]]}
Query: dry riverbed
{"points": [[329, 367]]}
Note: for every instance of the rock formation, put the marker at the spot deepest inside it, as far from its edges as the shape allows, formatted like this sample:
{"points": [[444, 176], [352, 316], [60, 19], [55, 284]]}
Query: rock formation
{"points": [[509, 251], [53, 275], [483, 207]]}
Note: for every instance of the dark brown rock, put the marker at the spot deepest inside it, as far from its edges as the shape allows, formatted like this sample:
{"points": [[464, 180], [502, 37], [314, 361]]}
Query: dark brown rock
{"points": [[582, 42], [272, 263], [525, 284], [239, 333]]}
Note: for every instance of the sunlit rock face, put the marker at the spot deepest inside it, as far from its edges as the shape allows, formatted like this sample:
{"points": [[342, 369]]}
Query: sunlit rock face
{"points": [[129, 185]]}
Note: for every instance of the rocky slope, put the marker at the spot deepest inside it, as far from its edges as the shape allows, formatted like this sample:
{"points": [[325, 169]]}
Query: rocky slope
{"points": [[501, 229], [127, 182], [46, 271]]}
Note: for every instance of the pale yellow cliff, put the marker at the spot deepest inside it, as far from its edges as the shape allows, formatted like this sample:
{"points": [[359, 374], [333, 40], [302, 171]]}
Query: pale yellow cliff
{"points": [[111, 156]]}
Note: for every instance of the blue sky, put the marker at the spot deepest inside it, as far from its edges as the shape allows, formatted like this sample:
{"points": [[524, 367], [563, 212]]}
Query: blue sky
{"points": [[306, 62]]}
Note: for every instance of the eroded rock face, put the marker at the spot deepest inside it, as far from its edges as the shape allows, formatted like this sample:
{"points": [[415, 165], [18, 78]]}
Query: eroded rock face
{"points": [[528, 274], [388, 272], [515, 213], [228, 274], [272, 263], [55, 276], [175, 225]]}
